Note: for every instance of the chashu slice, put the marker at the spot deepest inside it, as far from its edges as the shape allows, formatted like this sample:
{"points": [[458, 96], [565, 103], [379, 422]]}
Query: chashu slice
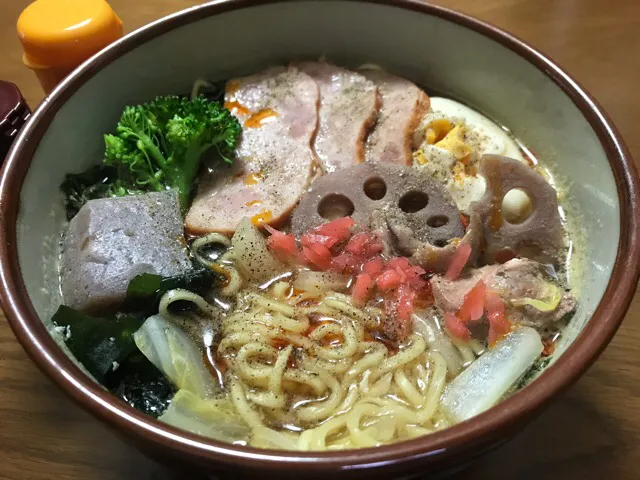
{"points": [[349, 105], [274, 164], [403, 107]]}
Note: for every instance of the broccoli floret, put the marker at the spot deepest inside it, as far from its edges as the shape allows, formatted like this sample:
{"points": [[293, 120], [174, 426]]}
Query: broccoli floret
{"points": [[158, 145]]}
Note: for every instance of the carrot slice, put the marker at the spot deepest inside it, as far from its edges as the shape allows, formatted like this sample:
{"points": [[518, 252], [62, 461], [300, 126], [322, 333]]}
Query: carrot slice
{"points": [[499, 325], [414, 277], [364, 244], [358, 243], [456, 327], [308, 238], [282, 244], [345, 262], [388, 280], [318, 255], [458, 262], [473, 304], [373, 267], [399, 262], [339, 228], [404, 307], [362, 289]]}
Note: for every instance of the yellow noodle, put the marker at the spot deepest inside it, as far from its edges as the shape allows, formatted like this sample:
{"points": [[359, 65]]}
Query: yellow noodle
{"points": [[436, 386], [234, 281], [348, 346], [335, 367], [416, 347], [467, 354], [354, 418], [281, 290], [413, 431], [319, 440], [476, 346], [209, 239], [290, 324], [275, 380], [325, 408], [346, 393], [179, 294], [369, 361], [269, 400], [349, 399], [271, 304], [239, 400], [306, 378], [409, 391], [351, 311], [379, 388]]}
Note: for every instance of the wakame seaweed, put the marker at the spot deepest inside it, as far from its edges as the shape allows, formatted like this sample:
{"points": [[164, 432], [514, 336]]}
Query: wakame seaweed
{"points": [[157, 146], [146, 290], [79, 188], [531, 374], [139, 383], [106, 347], [100, 344]]}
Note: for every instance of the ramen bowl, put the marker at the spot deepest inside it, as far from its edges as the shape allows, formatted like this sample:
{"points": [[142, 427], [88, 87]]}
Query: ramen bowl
{"points": [[445, 52]]}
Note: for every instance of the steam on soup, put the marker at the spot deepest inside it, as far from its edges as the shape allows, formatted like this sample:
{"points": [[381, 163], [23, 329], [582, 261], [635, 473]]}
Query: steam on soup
{"points": [[361, 265]]}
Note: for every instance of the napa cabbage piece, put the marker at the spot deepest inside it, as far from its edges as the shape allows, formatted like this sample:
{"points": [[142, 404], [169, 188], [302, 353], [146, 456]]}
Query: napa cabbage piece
{"points": [[311, 281], [264, 437], [171, 350], [483, 383], [213, 418], [252, 255], [438, 341], [551, 297]]}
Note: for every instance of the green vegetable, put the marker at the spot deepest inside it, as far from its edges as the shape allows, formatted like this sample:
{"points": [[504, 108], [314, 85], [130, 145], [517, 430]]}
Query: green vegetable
{"points": [[485, 381], [176, 355], [79, 188], [145, 290], [107, 349], [214, 418], [551, 296], [106, 346], [156, 146], [139, 383], [533, 372], [159, 145], [99, 344]]}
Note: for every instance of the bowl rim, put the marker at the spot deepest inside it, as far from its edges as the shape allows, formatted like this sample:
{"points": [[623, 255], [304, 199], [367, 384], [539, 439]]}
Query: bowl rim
{"points": [[592, 340]]}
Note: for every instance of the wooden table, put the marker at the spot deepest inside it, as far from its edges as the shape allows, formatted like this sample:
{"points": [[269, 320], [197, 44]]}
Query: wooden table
{"points": [[593, 432]]}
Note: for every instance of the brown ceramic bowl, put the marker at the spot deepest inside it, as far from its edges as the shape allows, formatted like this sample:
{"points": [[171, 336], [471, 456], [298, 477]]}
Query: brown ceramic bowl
{"points": [[445, 51]]}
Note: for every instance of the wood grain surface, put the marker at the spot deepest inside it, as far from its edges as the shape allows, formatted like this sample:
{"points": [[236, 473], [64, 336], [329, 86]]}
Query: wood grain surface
{"points": [[591, 433]]}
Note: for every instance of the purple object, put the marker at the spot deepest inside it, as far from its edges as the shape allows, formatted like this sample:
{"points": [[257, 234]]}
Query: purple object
{"points": [[14, 112]]}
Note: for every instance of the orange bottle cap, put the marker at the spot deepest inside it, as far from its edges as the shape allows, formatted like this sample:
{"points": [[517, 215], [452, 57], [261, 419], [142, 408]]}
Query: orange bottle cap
{"points": [[64, 33]]}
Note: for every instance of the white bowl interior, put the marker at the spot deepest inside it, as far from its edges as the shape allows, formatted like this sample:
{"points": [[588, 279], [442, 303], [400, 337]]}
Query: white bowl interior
{"points": [[433, 52]]}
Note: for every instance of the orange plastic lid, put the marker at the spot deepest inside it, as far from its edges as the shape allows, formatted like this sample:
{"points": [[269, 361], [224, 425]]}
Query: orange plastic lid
{"points": [[58, 33]]}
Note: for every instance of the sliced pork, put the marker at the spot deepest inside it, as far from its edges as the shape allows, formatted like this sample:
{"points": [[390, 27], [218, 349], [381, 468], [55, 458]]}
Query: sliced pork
{"points": [[515, 281], [348, 108], [403, 107], [278, 109], [111, 240]]}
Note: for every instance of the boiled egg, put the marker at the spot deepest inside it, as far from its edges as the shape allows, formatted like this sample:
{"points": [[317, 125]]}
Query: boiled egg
{"points": [[452, 138]]}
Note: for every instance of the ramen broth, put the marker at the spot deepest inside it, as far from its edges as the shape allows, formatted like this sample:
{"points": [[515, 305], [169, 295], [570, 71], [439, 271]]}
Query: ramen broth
{"points": [[370, 265]]}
